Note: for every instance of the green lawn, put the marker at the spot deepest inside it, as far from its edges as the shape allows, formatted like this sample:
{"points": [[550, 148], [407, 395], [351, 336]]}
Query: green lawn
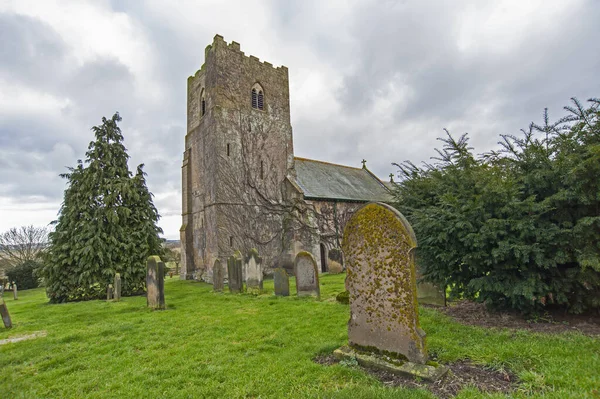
{"points": [[220, 345]]}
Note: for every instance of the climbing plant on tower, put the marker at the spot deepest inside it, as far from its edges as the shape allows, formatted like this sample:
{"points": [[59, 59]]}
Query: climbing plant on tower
{"points": [[107, 224]]}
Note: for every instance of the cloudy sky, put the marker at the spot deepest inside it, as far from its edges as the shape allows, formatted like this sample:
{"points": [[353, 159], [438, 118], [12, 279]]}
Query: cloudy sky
{"points": [[377, 80]]}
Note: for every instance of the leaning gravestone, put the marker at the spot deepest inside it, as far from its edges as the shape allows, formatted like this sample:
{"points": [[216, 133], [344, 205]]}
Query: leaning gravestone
{"points": [[218, 276], [234, 271], [4, 313], [155, 283], [117, 287], [253, 268], [307, 275], [281, 281], [379, 247]]}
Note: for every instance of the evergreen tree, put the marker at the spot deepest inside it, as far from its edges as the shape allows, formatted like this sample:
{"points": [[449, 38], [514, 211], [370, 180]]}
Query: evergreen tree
{"points": [[106, 225]]}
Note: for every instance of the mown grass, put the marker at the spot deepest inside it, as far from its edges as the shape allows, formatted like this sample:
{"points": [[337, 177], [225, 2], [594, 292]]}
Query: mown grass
{"points": [[242, 346]]}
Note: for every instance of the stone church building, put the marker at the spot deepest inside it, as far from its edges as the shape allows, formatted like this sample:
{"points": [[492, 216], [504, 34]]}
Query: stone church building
{"points": [[242, 185]]}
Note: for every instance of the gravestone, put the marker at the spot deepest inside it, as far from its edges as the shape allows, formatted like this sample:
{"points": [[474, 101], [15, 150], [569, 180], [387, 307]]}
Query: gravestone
{"points": [[234, 272], [281, 281], [218, 276], [155, 283], [15, 295], [117, 287], [253, 268], [378, 249], [307, 275], [109, 292], [4, 313]]}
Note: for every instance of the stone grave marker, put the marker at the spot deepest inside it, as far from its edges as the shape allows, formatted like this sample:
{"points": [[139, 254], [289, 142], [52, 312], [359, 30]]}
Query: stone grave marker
{"points": [[4, 313], [109, 292], [307, 275], [218, 276], [117, 287], [234, 272], [15, 294], [155, 283], [281, 281], [378, 247], [253, 269]]}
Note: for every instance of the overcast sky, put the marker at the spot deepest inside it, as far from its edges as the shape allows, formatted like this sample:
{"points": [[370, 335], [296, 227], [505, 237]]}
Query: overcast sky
{"points": [[377, 80]]}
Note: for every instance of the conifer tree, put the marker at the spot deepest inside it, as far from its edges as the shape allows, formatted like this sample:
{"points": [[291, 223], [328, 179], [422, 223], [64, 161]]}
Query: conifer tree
{"points": [[106, 225]]}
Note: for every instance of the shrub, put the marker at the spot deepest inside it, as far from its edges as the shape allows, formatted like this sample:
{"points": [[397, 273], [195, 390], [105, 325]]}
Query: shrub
{"points": [[335, 267], [517, 228], [24, 275]]}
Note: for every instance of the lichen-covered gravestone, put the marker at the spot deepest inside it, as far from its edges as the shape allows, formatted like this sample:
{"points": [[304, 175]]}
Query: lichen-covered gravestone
{"points": [[4, 313], [155, 283], [307, 275], [218, 276], [281, 281], [117, 287], [234, 271], [15, 295], [109, 292], [253, 268], [378, 248]]}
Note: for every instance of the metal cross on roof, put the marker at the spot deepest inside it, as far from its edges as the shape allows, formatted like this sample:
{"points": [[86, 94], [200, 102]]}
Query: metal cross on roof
{"points": [[364, 162]]}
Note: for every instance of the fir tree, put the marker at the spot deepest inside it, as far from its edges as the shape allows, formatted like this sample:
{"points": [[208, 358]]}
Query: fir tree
{"points": [[106, 225]]}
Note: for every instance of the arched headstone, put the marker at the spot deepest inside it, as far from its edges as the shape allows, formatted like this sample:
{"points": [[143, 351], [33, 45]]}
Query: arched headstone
{"points": [[218, 276], [307, 275], [117, 287], [378, 249]]}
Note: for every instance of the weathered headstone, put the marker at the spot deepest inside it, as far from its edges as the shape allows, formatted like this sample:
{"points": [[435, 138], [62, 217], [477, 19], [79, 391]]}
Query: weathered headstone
{"points": [[234, 271], [15, 294], [218, 276], [109, 292], [253, 268], [155, 283], [281, 281], [307, 275], [117, 287], [430, 294], [378, 248], [4, 313]]}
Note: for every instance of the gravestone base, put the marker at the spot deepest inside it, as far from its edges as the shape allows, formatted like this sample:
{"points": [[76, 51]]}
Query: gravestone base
{"points": [[382, 362]]}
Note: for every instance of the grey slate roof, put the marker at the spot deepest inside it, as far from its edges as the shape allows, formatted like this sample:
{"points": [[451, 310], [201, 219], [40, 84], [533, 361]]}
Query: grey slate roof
{"points": [[322, 180]]}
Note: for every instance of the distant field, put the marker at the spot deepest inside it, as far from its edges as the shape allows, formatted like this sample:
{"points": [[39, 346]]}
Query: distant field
{"points": [[241, 346]]}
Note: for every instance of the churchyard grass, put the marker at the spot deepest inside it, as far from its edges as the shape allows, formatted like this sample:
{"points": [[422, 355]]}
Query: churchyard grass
{"points": [[245, 346]]}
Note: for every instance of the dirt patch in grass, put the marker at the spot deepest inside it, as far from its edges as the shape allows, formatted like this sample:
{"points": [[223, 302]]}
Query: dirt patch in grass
{"points": [[462, 374], [476, 314]]}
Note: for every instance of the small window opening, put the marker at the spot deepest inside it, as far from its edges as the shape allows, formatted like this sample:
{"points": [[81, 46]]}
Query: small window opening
{"points": [[249, 127], [228, 149], [231, 241], [262, 170], [260, 99], [203, 107], [254, 99]]}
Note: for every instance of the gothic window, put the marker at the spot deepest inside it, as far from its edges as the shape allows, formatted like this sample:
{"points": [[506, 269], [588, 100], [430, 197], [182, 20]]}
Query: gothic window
{"points": [[202, 103], [254, 99], [258, 97]]}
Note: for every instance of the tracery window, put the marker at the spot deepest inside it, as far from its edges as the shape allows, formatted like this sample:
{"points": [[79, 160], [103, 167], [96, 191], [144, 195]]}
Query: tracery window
{"points": [[258, 97]]}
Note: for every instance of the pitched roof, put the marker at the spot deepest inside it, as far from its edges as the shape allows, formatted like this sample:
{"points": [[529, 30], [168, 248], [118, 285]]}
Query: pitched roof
{"points": [[324, 180]]}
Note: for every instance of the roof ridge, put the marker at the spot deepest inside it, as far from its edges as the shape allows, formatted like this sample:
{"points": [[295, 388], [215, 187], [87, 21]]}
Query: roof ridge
{"points": [[328, 163]]}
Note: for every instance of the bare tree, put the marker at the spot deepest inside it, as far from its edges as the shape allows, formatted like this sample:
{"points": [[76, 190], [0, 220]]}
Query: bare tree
{"points": [[22, 244]]}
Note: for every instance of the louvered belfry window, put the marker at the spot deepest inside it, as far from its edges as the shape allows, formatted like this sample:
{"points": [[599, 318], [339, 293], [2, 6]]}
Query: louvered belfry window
{"points": [[254, 99], [260, 100]]}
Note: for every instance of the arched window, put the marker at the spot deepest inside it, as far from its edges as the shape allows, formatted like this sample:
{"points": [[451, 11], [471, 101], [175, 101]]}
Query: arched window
{"points": [[260, 100], [202, 103], [254, 99], [258, 97]]}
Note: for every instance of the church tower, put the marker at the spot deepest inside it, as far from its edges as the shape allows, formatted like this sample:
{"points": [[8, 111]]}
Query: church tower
{"points": [[237, 160]]}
